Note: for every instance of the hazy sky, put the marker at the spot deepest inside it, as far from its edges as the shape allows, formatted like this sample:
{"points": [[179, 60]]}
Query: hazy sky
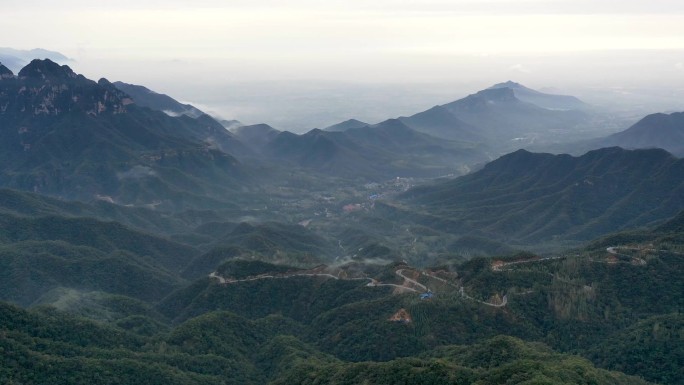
{"points": [[229, 55]]}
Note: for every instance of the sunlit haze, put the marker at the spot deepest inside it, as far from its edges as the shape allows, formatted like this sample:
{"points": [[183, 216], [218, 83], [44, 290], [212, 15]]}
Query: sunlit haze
{"points": [[313, 63]]}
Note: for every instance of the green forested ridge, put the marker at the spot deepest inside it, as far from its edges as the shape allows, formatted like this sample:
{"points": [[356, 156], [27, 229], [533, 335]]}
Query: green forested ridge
{"points": [[533, 198], [494, 361], [222, 348], [652, 348], [572, 304], [43, 253], [20, 203], [103, 236], [270, 241]]}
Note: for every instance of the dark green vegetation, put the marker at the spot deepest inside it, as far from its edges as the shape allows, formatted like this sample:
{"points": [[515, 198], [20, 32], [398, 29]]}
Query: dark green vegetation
{"points": [[46, 253], [45, 346], [320, 330], [191, 257], [314, 328]]}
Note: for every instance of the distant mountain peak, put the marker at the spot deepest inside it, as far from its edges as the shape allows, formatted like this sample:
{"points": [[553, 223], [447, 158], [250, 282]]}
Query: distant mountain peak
{"points": [[508, 84], [346, 125], [541, 99], [497, 94], [15, 59], [354, 121], [261, 128], [46, 69]]}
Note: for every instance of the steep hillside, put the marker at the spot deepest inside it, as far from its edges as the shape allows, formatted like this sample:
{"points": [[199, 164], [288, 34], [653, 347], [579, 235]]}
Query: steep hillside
{"points": [[268, 241], [651, 348], [44, 253], [65, 135], [256, 136], [532, 198], [664, 131], [145, 97], [441, 123]]}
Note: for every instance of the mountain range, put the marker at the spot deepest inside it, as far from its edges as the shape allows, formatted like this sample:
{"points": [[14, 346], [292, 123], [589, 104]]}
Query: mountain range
{"points": [[375, 151], [141, 241], [65, 135]]}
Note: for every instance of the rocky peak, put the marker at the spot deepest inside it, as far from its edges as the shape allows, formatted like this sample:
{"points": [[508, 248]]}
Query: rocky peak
{"points": [[5, 72], [508, 84], [45, 88], [46, 70]]}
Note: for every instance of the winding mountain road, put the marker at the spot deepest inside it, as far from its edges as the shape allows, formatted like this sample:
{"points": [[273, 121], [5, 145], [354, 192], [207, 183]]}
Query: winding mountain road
{"points": [[504, 264], [372, 283], [400, 273]]}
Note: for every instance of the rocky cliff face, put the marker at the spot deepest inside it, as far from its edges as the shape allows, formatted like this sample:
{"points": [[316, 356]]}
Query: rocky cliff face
{"points": [[46, 88], [63, 134]]}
